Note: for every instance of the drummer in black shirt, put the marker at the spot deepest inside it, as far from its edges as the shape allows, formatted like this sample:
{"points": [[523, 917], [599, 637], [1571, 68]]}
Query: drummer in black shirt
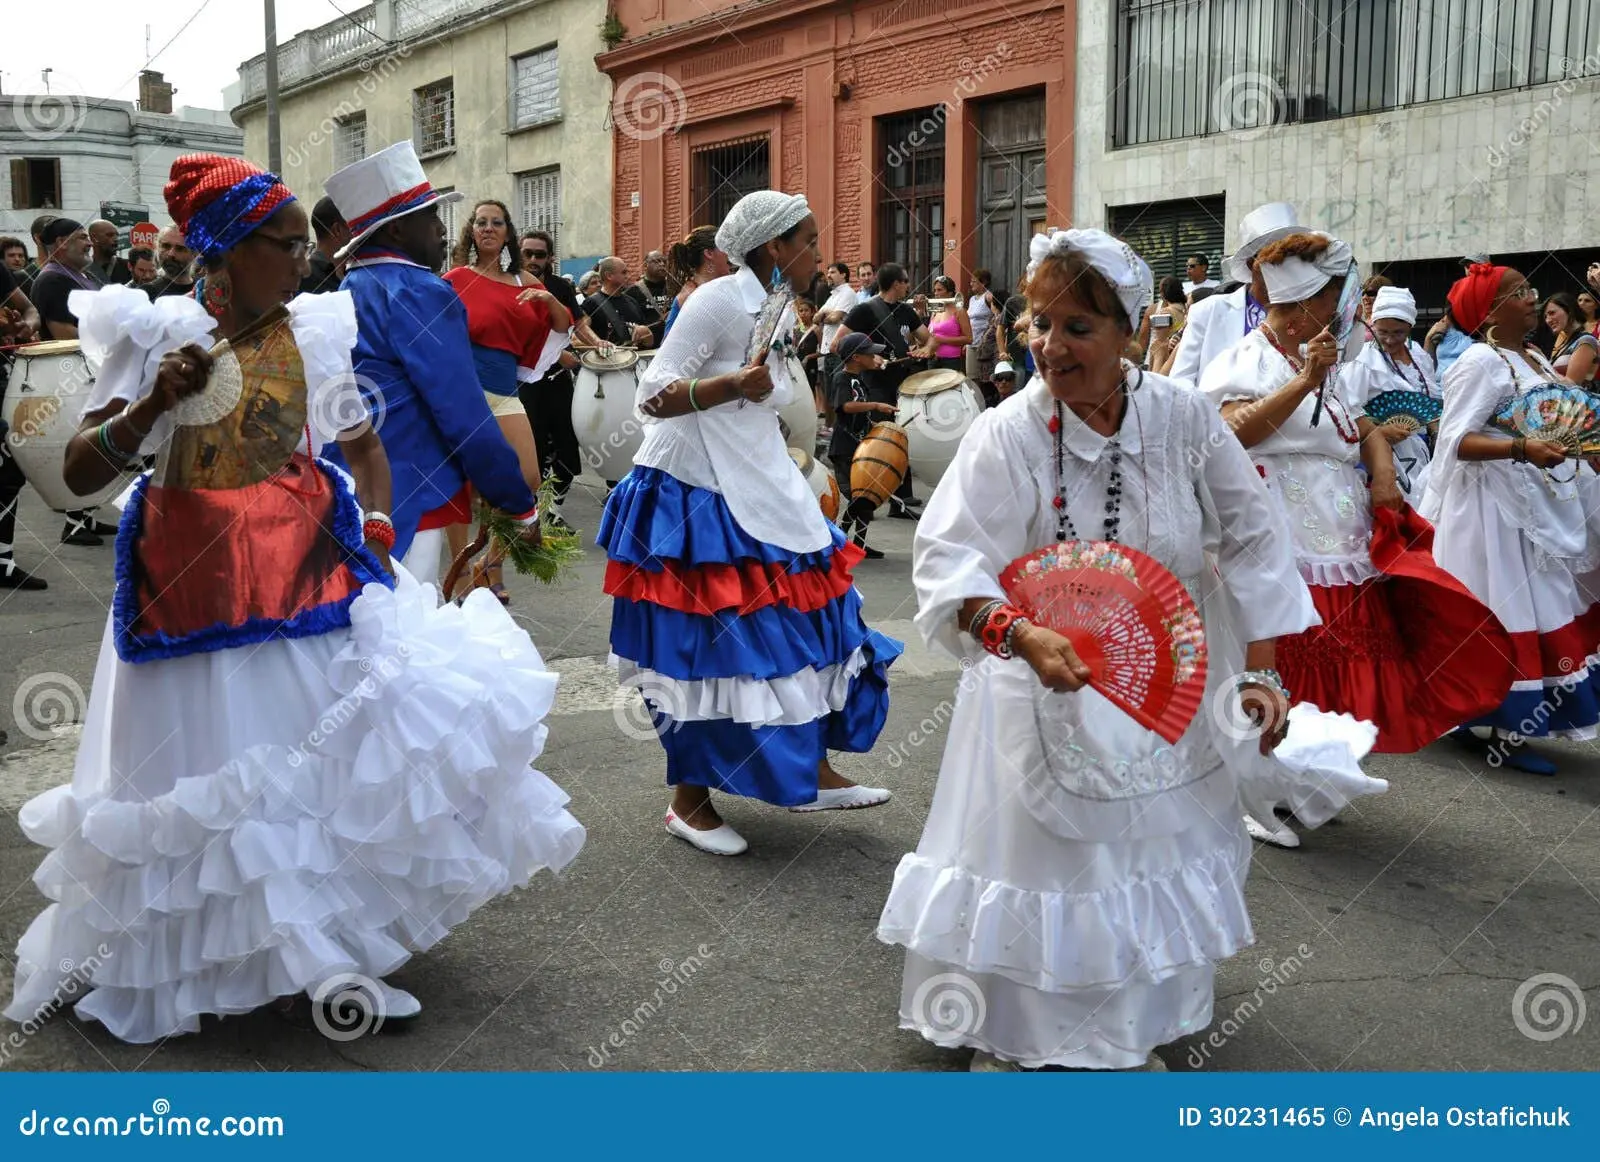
{"points": [[891, 322], [19, 323], [618, 312], [854, 415]]}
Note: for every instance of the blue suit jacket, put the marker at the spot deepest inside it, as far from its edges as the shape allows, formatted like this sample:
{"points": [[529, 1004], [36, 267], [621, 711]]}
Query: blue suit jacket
{"points": [[413, 361]]}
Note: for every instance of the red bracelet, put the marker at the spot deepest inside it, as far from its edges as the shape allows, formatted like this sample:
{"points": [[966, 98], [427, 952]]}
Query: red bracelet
{"points": [[380, 531], [995, 629]]}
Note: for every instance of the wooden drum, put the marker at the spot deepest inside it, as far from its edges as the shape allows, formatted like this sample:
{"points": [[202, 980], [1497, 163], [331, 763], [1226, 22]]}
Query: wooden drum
{"points": [[879, 464]]}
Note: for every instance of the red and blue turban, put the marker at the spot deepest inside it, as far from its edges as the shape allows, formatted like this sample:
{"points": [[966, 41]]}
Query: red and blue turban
{"points": [[218, 201]]}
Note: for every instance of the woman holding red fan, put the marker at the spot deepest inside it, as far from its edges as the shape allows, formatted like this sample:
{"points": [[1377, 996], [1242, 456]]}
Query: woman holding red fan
{"points": [[1402, 644], [1083, 865], [1516, 521]]}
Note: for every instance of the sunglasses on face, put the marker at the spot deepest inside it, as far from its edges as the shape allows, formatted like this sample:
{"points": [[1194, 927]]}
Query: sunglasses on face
{"points": [[536, 254]]}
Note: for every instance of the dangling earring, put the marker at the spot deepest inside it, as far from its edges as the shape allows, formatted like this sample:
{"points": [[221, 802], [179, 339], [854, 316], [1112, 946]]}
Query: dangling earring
{"points": [[218, 294]]}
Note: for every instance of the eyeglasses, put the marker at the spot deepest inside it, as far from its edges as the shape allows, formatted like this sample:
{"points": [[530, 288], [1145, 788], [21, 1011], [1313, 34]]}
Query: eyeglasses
{"points": [[296, 248], [536, 254], [1524, 292], [497, 223]]}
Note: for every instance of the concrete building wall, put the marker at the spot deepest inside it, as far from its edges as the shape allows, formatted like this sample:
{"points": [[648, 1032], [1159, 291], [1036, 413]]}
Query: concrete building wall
{"points": [[1504, 172], [488, 153]]}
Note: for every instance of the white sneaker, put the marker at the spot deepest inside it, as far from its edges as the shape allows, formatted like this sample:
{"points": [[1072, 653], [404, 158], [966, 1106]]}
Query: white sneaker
{"points": [[722, 840], [1279, 834], [845, 799]]}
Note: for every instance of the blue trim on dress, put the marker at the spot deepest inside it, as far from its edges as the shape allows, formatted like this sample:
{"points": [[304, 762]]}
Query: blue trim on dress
{"points": [[497, 370], [1558, 707], [160, 645]]}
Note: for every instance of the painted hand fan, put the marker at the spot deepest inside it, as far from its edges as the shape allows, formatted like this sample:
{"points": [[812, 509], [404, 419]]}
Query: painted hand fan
{"points": [[1562, 415], [767, 323], [1130, 620], [1409, 409], [1344, 318]]}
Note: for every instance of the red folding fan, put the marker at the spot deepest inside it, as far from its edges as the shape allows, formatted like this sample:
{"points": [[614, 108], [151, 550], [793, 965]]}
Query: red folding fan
{"points": [[1130, 620]]}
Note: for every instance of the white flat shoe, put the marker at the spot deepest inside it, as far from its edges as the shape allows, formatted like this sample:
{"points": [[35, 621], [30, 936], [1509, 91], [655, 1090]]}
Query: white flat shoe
{"points": [[1279, 835], [722, 840], [349, 1006], [845, 799], [988, 1063]]}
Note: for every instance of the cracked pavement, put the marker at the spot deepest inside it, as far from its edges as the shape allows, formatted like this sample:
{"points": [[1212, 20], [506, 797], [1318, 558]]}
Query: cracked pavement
{"points": [[1422, 911]]}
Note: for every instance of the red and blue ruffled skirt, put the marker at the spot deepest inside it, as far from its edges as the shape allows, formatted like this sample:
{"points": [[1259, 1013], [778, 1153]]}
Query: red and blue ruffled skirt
{"points": [[753, 660]]}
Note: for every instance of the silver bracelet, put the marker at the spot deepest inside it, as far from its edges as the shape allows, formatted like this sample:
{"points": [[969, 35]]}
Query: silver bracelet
{"points": [[985, 612], [1006, 652], [1268, 678]]}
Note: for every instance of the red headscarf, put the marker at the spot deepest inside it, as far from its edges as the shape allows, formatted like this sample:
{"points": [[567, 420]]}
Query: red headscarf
{"points": [[217, 201], [1473, 295]]}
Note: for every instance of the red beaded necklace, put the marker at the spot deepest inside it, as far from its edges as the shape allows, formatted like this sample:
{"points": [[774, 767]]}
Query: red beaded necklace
{"points": [[1349, 430]]}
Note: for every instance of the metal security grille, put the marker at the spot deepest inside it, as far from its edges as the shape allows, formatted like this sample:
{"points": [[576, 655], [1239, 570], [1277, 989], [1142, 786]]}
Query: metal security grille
{"points": [[435, 107], [726, 172], [1166, 233], [539, 202], [447, 215], [1185, 68], [535, 88], [910, 176], [349, 140]]}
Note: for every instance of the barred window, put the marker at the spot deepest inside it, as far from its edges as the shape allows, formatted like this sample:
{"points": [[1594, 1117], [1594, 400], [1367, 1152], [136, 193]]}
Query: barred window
{"points": [[539, 203], [447, 215], [349, 140], [435, 115], [535, 88]]}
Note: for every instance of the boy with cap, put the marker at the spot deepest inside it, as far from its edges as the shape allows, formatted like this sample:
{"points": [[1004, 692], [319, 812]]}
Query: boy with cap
{"points": [[847, 393]]}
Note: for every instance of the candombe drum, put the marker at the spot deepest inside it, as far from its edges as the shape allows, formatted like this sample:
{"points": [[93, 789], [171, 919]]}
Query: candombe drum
{"points": [[44, 397], [821, 481], [936, 409], [609, 433], [798, 417], [879, 464]]}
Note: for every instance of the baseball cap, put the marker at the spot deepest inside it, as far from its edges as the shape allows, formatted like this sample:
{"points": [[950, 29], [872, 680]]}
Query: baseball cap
{"points": [[858, 344], [1471, 259], [1004, 368]]}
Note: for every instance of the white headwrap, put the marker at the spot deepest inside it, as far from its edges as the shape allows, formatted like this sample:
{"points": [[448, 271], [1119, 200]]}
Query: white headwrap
{"points": [[1294, 280], [1111, 257], [1394, 302], [756, 219]]}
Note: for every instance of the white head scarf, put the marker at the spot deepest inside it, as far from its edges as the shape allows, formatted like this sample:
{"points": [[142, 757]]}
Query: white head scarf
{"points": [[1394, 302], [758, 218], [1111, 257], [1294, 280]]}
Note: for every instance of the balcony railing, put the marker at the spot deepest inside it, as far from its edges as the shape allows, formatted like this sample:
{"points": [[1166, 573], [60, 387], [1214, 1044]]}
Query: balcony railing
{"points": [[1185, 68], [342, 41]]}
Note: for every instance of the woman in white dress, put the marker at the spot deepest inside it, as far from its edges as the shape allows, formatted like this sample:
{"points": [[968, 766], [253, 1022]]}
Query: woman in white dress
{"points": [[1078, 877], [1517, 522], [1381, 653], [296, 769], [1397, 363]]}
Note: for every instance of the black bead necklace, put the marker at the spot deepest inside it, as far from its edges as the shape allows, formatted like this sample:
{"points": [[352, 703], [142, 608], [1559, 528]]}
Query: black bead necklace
{"points": [[1065, 529]]}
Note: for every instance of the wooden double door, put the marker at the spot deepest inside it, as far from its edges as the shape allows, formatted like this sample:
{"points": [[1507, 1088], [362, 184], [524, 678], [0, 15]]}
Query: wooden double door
{"points": [[1012, 203]]}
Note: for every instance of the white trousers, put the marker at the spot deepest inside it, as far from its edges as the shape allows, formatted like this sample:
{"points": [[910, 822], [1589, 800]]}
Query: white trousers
{"points": [[422, 559]]}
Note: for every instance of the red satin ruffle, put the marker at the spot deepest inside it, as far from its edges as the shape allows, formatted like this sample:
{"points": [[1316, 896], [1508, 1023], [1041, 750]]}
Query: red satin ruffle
{"points": [[1412, 652], [456, 511], [745, 587]]}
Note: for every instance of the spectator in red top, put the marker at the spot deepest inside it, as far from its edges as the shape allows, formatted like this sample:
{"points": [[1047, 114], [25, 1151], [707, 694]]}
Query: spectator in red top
{"points": [[518, 329]]}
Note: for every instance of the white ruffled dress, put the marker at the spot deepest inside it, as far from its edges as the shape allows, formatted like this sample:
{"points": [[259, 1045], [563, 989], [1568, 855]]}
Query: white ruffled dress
{"points": [[248, 823], [1078, 877]]}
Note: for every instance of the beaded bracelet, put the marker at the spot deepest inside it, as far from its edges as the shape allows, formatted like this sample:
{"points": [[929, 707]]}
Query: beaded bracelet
{"points": [[975, 625], [995, 633], [1268, 678], [380, 531]]}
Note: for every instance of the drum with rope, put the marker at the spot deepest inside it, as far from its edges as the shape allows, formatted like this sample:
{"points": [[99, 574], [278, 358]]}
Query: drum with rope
{"points": [[44, 397], [609, 430], [879, 464], [936, 409]]}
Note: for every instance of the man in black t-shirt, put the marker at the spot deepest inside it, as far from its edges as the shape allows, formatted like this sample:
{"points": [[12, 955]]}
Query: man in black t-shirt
{"points": [[332, 234], [620, 317], [854, 415], [656, 289], [891, 322], [105, 267], [19, 323], [177, 265], [67, 244]]}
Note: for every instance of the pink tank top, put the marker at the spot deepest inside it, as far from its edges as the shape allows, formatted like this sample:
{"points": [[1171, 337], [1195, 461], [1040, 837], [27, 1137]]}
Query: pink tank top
{"points": [[948, 329]]}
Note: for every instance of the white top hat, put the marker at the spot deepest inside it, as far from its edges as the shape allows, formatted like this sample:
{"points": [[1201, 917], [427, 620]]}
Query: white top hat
{"points": [[378, 189], [1260, 226]]}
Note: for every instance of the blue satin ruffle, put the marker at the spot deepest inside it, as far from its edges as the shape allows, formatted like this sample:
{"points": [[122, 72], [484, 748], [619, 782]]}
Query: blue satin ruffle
{"points": [[1537, 713], [497, 370]]}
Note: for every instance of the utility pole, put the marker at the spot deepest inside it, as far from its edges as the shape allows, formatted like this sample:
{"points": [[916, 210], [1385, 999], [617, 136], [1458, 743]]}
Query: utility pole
{"points": [[274, 146]]}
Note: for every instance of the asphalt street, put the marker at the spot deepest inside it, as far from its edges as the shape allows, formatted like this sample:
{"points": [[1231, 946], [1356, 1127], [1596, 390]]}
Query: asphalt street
{"points": [[1396, 938]]}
